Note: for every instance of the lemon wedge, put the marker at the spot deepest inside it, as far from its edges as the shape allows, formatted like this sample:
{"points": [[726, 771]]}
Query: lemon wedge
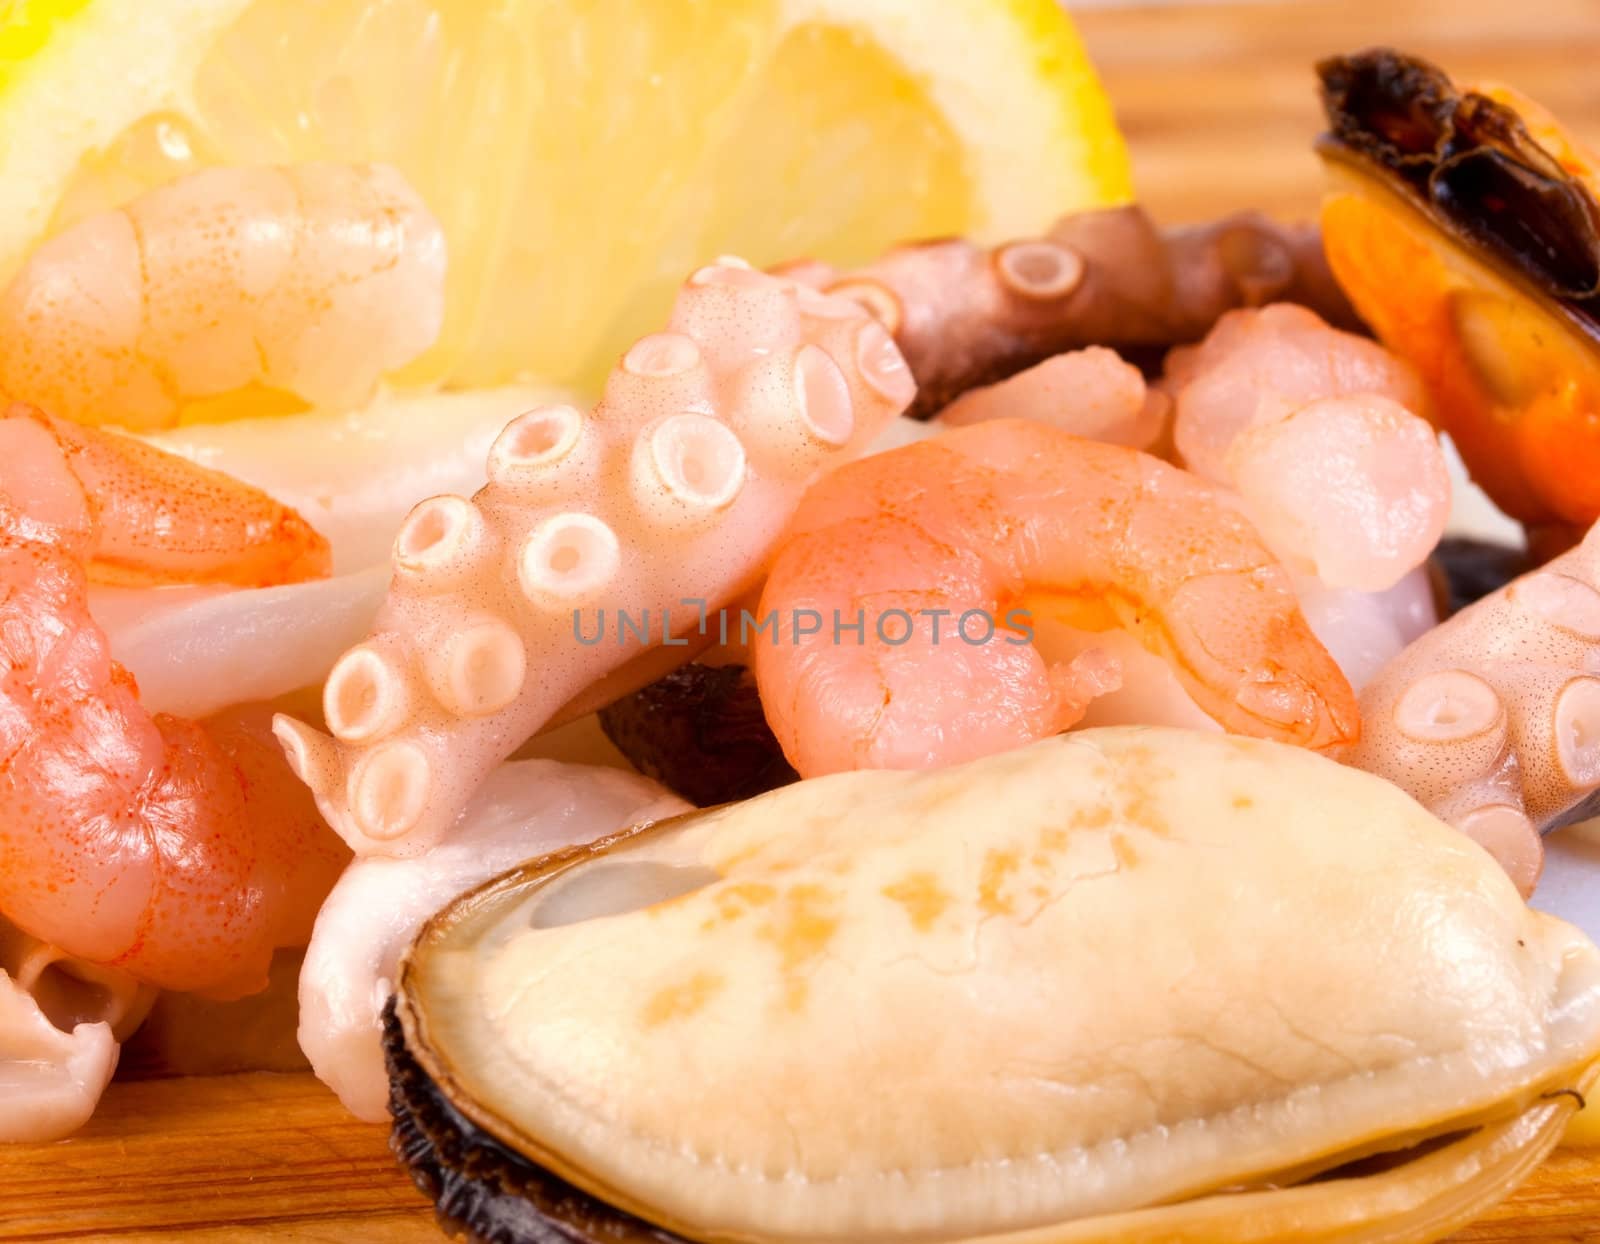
{"points": [[582, 155]]}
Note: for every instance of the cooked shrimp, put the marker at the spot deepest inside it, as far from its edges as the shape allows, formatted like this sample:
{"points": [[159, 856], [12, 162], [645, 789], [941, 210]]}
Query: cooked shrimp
{"points": [[973, 535], [181, 852], [1256, 367], [1090, 393], [311, 280], [1315, 430]]}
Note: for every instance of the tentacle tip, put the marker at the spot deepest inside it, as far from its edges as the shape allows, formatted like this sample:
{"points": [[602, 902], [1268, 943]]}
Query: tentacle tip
{"points": [[309, 752]]}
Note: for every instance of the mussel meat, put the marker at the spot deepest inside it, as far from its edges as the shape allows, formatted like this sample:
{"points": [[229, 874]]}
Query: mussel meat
{"points": [[1464, 223], [1121, 985]]}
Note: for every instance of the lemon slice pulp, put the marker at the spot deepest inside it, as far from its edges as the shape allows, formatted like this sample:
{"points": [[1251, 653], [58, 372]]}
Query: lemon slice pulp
{"points": [[582, 155]]}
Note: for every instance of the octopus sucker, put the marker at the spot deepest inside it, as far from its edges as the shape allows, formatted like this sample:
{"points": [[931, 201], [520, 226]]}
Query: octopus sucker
{"points": [[1493, 717], [442, 540], [670, 492], [568, 559], [557, 1035], [966, 316], [364, 696]]}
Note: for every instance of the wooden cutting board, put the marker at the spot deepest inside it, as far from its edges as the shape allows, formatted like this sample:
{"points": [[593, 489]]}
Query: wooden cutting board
{"points": [[274, 1157], [1217, 101]]}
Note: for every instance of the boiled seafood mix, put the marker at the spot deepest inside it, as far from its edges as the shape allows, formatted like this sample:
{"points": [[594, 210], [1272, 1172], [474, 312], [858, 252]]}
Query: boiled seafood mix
{"points": [[1036, 676]]}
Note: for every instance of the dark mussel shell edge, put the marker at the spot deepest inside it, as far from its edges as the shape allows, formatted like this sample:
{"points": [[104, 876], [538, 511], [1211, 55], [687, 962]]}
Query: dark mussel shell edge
{"points": [[1471, 165], [481, 1189]]}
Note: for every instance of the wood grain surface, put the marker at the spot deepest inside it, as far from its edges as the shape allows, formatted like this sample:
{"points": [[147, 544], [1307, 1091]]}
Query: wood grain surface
{"points": [[261, 1156], [1219, 106], [1219, 100]]}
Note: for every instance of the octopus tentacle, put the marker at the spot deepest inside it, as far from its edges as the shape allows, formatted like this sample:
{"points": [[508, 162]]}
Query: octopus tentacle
{"points": [[673, 489], [966, 316], [1492, 719]]}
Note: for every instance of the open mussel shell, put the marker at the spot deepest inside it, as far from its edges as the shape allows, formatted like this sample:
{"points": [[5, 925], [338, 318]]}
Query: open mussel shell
{"points": [[1464, 570], [1130, 984], [1464, 225], [700, 731], [1470, 159]]}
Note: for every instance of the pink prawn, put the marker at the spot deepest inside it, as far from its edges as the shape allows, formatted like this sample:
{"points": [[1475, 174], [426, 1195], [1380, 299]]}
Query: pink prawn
{"points": [[182, 852], [988, 531]]}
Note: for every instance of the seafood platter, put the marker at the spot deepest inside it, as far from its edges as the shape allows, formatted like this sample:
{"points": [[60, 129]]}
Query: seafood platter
{"points": [[875, 703]]}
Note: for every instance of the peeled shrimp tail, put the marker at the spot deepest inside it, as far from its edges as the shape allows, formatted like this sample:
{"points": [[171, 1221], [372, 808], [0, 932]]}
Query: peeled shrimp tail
{"points": [[52, 1079], [312, 280], [178, 852], [73, 991], [60, 1021], [1492, 719], [991, 530], [1091, 393], [965, 316], [667, 497], [139, 516]]}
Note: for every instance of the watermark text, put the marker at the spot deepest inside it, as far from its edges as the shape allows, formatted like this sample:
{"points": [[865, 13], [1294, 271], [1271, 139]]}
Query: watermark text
{"points": [[891, 627]]}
